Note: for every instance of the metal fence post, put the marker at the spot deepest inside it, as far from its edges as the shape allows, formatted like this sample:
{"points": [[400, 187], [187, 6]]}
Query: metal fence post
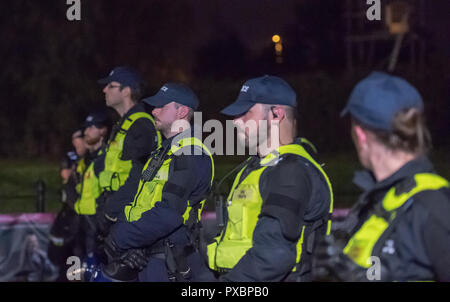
{"points": [[40, 196]]}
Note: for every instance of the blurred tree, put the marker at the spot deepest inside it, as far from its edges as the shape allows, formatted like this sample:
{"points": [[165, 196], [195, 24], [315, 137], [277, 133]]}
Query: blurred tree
{"points": [[223, 56], [51, 65]]}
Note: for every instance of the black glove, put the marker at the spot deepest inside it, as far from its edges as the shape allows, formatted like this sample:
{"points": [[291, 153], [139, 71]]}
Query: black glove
{"points": [[135, 259], [104, 222], [330, 264]]}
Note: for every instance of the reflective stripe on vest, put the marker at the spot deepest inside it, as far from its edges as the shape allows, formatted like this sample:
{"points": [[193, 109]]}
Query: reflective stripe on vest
{"points": [[117, 170], [244, 207], [81, 167], [90, 191], [150, 192], [360, 246]]}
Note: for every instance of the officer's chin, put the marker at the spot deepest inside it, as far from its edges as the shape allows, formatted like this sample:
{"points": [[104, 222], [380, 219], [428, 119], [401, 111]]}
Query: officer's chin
{"points": [[158, 125]]}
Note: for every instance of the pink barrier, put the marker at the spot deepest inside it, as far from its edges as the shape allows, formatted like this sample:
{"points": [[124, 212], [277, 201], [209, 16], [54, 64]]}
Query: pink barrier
{"points": [[44, 218], [337, 213], [47, 218]]}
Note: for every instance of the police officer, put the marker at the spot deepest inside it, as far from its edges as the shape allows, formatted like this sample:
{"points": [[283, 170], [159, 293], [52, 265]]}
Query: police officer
{"points": [[399, 229], [69, 161], [281, 200], [63, 232], [95, 131], [162, 215], [132, 140]]}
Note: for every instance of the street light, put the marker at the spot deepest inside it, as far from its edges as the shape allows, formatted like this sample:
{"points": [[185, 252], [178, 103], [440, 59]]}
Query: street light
{"points": [[278, 48], [276, 38]]}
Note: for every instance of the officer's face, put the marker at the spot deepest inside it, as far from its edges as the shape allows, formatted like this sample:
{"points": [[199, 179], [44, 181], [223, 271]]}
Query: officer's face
{"points": [[80, 145], [361, 142], [113, 94], [248, 126], [93, 135], [165, 116]]}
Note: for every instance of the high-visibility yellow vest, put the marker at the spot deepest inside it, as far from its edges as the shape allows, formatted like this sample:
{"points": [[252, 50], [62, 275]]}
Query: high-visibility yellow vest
{"points": [[360, 246], [89, 192], [80, 168], [117, 170], [150, 192], [244, 207]]}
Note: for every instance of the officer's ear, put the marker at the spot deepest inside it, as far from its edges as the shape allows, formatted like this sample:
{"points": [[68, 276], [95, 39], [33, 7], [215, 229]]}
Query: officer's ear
{"points": [[103, 131], [182, 112], [359, 136], [126, 91], [278, 112]]}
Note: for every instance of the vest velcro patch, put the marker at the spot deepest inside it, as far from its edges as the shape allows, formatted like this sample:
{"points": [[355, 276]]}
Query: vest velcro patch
{"points": [[174, 189], [282, 201], [286, 210]]}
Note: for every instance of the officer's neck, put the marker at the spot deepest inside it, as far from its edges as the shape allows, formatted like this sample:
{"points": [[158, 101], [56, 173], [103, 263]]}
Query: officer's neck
{"points": [[384, 165], [168, 133], [268, 146], [286, 134], [124, 107]]}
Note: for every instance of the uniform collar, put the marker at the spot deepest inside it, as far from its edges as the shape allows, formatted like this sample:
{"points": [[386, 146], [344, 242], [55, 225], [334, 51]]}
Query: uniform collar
{"points": [[274, 156], [138, 107], [366, 180], [186, 133]]}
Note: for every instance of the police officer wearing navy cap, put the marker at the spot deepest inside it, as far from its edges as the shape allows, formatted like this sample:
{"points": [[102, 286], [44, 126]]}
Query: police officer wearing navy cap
{"points": [[399, 229], [158, 241], [62, 235], [281, 200], [132, 140], [72, 233], [95, 132]]}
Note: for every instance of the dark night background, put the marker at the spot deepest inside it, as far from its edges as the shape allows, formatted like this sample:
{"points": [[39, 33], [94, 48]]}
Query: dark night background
{"points": [[50, 65]]}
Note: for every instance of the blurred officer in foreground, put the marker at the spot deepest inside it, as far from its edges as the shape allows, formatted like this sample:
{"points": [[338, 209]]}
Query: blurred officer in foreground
{"points": [[68, 164], [400, 228], [162, 215], [64, 229], [132, 140], [95, 131], [281, 200]]}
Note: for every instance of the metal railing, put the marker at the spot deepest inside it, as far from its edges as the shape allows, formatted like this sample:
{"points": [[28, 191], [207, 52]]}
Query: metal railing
{"points": [[39, 196]]}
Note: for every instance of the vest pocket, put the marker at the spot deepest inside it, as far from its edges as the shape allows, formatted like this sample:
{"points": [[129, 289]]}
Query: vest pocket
{"points": [[235, 231], [230, 252]]}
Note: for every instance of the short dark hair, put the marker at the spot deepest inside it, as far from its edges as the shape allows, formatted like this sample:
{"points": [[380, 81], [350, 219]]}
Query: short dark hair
{"points": [[135, 92], [409, 134]]}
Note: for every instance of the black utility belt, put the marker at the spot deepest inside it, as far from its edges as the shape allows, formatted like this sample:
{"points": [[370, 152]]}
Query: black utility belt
{"points": [[160, 249], [222, 270]]}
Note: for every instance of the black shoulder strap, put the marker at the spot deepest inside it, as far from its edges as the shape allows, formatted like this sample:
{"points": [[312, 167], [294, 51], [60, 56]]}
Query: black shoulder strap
{"points": [[157, 159]]}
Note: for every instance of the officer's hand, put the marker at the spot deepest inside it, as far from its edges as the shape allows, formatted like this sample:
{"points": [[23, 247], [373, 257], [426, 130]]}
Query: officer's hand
{"points": [[326, 258], [330, 264], [112, 250], [136, 259], [104, 223]]}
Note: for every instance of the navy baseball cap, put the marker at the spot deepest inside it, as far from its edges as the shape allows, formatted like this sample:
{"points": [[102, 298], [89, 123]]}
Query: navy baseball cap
{"points": [[265, 90], [97, 118], [173, 92], [126, 76], [377, 98]]}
